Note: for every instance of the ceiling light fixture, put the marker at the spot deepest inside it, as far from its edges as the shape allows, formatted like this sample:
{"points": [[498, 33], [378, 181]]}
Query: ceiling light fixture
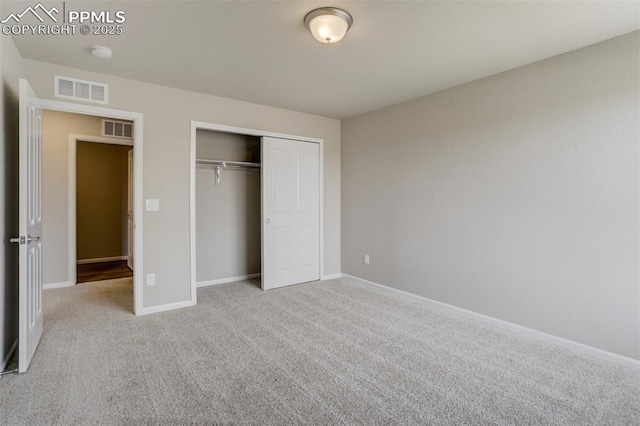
{"points": [[101, 52], [328, 24]]}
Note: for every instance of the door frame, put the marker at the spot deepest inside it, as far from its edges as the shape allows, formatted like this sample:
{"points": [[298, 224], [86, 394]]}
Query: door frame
{"points": [[137, 118], [73, 164], [201, 125]]}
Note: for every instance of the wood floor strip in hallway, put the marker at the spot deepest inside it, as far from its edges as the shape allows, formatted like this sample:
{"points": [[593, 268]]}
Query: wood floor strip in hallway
{"points": [[89, 272]]}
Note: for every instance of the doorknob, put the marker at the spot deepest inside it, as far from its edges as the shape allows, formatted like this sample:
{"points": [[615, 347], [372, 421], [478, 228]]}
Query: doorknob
{"points": [[267, 220]]}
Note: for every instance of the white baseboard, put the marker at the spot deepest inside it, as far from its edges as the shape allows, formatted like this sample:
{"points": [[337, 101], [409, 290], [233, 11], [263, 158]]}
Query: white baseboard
{"points": [[167, 307], [227, 280], [8, 356], [331, 277], [57, 285], [576, 347], [100, 259]]}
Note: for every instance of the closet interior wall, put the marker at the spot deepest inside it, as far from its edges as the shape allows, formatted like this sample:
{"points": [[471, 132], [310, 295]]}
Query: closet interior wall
{"points": [[228, 224]]}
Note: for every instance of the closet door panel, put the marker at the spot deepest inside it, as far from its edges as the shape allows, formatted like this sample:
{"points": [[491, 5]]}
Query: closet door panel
{"points": [[281, 248], [307, 194], [283, 183], [305, 255], [307, 213], [290, 212]]}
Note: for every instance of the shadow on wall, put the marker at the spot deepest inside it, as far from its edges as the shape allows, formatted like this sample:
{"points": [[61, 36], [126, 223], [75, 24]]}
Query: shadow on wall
{"points": [[253, 222], [10, 182]]}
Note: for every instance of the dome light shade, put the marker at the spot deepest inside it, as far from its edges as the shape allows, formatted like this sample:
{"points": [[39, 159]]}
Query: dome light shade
{"points": [[328, 24]]}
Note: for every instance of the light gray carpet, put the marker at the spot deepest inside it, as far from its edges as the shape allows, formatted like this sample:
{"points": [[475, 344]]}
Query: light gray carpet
{"points": [[338, 352]]}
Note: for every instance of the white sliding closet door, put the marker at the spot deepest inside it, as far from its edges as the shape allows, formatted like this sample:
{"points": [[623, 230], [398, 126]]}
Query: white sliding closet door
{"points": [[290, 212]]}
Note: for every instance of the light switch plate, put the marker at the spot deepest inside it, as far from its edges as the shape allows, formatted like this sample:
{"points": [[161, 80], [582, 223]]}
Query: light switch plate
{"points": [[151, 280], [153, 205]]}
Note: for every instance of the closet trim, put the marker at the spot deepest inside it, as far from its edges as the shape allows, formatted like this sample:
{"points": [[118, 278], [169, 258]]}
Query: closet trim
{"points": [[201, 125]]}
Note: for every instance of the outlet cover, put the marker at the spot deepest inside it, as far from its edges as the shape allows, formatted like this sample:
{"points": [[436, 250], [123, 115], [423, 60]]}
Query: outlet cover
{"points": [[151, 280], [366, 259]]}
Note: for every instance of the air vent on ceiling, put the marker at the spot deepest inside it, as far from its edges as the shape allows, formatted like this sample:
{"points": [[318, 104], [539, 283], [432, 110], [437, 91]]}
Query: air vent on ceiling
{"points": [[81, 90], [117, 129]]}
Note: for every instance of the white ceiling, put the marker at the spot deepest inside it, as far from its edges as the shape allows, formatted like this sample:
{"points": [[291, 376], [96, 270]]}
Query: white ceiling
{"points": [[261, 52]]}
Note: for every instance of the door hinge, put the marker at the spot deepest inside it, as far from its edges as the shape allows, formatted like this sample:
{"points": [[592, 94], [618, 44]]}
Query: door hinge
{"points": [[19, 240], [24, 240]]}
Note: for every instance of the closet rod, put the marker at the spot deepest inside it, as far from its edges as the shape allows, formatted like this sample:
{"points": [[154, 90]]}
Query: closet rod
{"points": [[218, 165], [225, 163]]}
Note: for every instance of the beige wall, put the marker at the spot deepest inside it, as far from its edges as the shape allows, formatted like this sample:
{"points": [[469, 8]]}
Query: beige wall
{"points": [[515, 196], [167, 119], [228, 233], [227, 146], [56, 127], [101, 200], [11, 70]]}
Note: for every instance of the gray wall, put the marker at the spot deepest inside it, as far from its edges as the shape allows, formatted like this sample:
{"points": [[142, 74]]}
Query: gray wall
{"points": [[101, 200], [228, 214], [11, 69], [515, 196], [56, 128], [167, 127]]}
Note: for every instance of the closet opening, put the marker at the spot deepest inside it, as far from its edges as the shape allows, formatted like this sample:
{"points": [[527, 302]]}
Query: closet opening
{"points": [[256, 207], [228, 220]]}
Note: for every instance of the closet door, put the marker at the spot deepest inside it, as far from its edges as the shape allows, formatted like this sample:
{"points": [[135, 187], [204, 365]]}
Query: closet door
{"points": [[290, 212]]}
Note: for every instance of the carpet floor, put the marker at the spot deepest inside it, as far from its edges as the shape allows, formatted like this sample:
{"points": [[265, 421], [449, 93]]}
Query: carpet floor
{"points": [[336, 352]]}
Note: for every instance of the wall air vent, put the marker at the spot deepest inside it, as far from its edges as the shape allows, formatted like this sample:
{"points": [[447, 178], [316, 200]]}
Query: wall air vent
{"points": [[117, 129], [81, 90]]}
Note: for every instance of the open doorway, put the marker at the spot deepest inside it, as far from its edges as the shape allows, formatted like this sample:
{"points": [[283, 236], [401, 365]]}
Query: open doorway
{"points": [[103, 211], [89, 199]]}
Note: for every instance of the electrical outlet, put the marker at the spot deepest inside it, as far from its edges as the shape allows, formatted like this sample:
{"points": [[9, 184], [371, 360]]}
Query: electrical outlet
{"points": [[366, 259], [151, 280]]}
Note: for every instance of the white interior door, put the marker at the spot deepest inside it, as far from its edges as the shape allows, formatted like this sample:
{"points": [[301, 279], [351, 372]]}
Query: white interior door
{"points": [[130, 210], [290, 212], [30, 223]]}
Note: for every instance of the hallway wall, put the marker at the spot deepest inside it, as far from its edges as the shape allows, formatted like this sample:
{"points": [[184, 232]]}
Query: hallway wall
{"points": [[101, 200]]}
